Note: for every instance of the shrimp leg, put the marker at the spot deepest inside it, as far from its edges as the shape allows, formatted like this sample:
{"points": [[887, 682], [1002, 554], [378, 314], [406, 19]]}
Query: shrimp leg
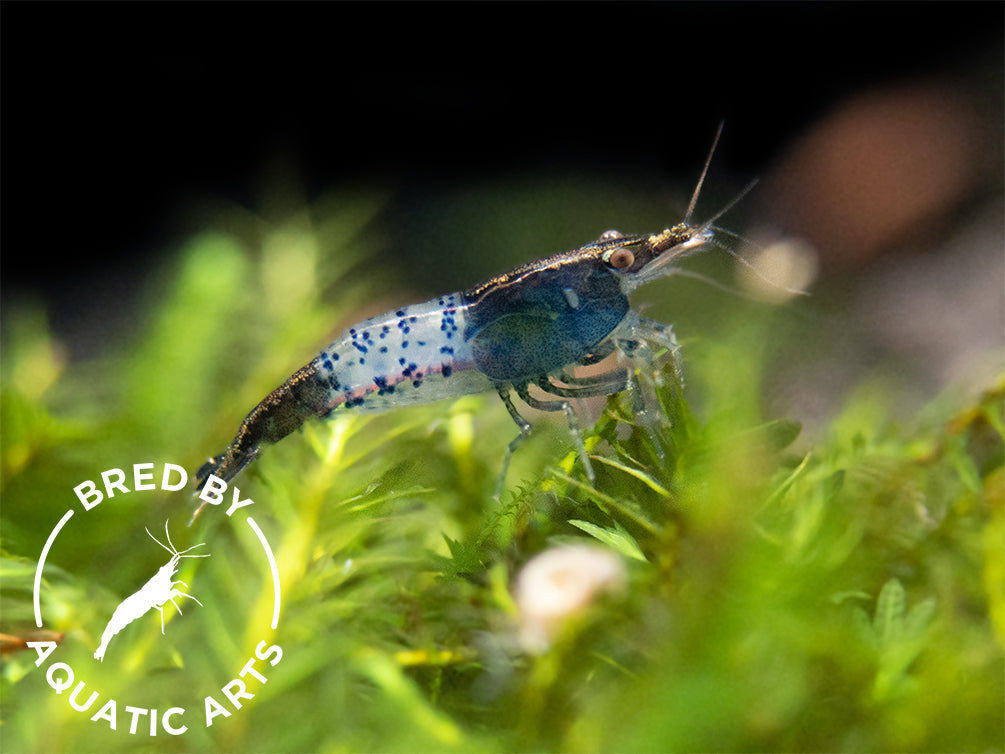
{"points": [[570, 416]]}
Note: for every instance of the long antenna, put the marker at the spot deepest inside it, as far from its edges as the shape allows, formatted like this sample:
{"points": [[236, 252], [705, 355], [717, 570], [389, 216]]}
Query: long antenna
{"points": [[730, 204], [704, 172], [169, 549], [172, 548]]}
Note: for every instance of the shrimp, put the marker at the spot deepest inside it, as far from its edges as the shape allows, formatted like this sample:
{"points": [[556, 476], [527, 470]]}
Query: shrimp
{"points": [[527, 327], [153, 594]]}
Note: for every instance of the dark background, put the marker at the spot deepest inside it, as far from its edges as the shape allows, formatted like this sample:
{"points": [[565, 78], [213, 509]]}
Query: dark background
{"points": [[114, 115]]}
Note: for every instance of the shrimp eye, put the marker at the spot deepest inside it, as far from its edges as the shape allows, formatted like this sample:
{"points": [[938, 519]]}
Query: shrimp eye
{"points": [[610, 235], [619, 259]]}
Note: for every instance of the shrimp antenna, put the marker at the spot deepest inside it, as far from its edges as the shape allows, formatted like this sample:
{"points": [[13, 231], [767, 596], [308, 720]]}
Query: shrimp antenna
{"points": [[729, 205], [750, 267], [704, 172], [169, 549], [172, 549], [710, 225]]}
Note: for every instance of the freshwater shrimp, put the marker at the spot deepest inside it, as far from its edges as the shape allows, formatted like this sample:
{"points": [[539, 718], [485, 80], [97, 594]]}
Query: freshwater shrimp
{"points": [[527, 327], [154, 594]]}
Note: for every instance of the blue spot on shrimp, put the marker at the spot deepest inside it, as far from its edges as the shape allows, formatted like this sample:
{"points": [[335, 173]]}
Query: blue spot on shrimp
{"points": [[526, 328]]}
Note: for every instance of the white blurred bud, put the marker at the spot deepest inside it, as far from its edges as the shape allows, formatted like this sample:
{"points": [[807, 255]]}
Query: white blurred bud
{"points": [[779, 270], [559, 584]]}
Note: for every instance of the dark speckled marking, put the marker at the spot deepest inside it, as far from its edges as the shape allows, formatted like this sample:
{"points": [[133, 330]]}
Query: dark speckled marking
{"points": [[382, 387]]}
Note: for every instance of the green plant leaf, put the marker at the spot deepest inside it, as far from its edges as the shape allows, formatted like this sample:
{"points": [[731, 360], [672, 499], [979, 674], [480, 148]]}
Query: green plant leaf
{"points": [[616, 538]]}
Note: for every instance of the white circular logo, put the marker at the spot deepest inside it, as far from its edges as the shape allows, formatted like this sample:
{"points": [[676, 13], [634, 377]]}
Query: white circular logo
{"points": [[162, 592]]}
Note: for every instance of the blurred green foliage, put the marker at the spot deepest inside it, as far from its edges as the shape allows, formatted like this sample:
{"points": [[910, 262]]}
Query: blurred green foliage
{"points": [[844, 597]]}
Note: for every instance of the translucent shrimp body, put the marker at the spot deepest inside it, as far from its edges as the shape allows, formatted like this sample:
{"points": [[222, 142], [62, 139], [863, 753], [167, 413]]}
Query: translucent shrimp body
{"points": [[416, 354], [526, 327], [530, 326]]}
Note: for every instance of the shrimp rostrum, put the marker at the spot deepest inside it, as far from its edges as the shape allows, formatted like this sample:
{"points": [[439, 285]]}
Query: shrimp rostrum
{"points": [[529, 327]]}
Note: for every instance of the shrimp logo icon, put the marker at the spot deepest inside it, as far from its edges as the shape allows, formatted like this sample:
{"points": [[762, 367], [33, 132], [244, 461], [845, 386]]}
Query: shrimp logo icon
{"points": [[127, 693], [153, 594]]}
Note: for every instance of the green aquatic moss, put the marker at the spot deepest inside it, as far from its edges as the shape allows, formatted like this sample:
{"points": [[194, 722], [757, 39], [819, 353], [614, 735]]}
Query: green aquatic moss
{"points": [[839, 594]]}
